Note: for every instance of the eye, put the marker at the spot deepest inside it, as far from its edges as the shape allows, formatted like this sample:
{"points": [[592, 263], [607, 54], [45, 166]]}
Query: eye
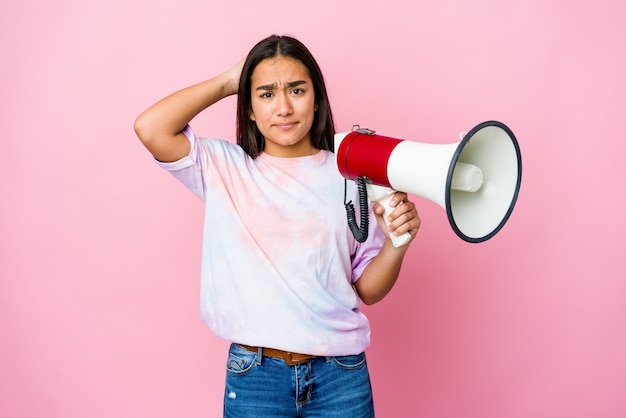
{"points": [[297, 91], [266, 95]]}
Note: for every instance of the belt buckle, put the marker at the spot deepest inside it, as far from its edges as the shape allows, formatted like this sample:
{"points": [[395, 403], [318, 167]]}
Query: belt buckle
{"points": [[290, 361]]}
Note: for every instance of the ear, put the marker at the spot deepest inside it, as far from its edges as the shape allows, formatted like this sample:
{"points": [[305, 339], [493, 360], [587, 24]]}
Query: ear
{"points": [[251, 115], [316, 107]]}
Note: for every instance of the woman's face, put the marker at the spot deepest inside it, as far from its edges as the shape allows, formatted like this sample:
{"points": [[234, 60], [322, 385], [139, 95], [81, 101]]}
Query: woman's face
{"points": [[283, 106]]}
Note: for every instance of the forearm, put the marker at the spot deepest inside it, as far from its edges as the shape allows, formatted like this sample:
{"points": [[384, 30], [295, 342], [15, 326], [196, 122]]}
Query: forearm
{"points": [[381, 273]]}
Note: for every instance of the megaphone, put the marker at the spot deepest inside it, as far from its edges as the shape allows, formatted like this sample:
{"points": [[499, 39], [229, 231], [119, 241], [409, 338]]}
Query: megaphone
{"points": [[476, 180]]}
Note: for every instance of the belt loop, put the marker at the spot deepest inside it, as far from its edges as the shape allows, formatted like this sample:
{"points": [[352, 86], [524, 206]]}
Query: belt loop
{"points": [[259, 356]]}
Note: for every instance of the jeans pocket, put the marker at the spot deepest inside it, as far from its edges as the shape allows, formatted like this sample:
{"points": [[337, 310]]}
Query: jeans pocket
{"points": [[240, 361], [354, 362]]}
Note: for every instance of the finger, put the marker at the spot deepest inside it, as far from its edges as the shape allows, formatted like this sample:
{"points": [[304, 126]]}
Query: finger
{"points": [[403, 208], [402, 223], [397, 199], [379, 210], [406, 220]]}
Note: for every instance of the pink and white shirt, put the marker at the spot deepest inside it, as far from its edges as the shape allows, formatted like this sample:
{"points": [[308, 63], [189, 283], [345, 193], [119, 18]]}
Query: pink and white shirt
{"points": [[278, 260]]}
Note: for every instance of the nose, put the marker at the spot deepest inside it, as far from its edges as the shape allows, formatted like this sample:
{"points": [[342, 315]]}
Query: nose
{"points": [[283, 105]]}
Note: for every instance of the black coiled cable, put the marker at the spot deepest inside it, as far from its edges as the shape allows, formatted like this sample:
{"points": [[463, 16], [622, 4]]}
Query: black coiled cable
{"points": [[360, 232]]}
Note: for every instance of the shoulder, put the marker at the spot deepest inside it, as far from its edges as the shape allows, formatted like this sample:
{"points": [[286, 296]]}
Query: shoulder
{"points": [[211, 145], [220, 146]]}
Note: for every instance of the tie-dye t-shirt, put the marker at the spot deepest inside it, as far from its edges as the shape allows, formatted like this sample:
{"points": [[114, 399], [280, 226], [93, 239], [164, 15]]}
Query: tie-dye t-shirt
{"points": [[278, 260]]}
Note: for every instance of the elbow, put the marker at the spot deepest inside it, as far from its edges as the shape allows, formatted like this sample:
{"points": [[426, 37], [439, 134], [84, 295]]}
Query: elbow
{"points": [[369, 293], [163, 146], [371, 300], [142, 130], [148, 137], [370, 296]]}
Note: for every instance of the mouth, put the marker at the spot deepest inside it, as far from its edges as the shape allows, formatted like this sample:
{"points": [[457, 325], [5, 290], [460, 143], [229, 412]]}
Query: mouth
{"points": [[285, 125]]}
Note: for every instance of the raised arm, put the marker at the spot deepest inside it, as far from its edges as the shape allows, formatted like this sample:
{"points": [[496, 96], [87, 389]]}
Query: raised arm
{"points": [[160, 126]]}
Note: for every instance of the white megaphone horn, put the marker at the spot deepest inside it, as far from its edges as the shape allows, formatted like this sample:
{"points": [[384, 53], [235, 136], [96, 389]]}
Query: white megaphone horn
{"points": [[476, 180]]}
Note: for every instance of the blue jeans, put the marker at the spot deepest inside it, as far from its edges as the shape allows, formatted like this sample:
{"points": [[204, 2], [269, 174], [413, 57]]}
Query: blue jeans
{"points": [[328, 387]]}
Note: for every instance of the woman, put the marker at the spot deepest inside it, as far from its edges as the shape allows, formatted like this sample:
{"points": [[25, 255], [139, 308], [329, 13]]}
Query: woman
{"points": [[281, 273]]}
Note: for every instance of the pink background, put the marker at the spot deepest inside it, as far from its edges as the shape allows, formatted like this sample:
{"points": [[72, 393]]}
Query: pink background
{"points": [[99, 249]]}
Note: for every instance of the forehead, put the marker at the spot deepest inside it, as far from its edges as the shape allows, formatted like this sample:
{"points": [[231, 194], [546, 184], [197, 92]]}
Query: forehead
{"points": [[279, 70]]}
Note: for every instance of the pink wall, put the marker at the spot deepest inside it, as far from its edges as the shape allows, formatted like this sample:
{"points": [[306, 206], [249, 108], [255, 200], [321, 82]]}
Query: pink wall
{"points": [[99, 249]]}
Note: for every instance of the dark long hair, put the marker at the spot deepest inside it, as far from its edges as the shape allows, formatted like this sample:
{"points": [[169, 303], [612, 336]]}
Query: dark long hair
{"points": [[248, 135]]}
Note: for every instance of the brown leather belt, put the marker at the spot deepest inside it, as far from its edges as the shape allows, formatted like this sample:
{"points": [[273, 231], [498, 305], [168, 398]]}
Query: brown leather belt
{"points": [[290, 358]]}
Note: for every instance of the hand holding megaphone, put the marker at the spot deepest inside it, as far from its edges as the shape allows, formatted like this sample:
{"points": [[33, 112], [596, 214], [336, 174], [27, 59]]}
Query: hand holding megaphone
{"points": [[382, 195]]}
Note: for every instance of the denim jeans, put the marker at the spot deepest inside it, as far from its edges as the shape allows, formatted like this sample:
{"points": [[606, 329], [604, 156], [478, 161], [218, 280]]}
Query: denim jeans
{"points": [[328, 387]]}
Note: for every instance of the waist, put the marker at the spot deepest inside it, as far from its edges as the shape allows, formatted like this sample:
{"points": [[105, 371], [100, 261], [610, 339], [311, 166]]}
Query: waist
{"points": [[288, 357]]}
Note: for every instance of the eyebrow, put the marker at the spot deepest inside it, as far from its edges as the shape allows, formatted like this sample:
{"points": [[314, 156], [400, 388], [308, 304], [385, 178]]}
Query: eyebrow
{"points": [[272, 86]]}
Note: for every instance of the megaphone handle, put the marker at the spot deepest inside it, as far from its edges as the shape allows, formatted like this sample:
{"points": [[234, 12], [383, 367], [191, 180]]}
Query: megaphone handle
{"points": [[383, 195]]}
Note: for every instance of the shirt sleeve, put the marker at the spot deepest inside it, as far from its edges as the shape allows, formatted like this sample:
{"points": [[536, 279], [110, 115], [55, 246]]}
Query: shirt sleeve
{"points": [[369, 249], [188, 170]]}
